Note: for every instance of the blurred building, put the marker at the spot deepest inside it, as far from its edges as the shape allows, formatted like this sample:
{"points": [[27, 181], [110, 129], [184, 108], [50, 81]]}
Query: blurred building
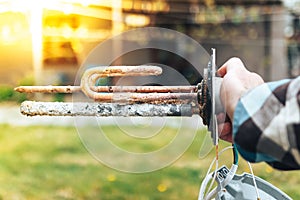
{"points": [[252, 30], [49, 40], [292, 32]]}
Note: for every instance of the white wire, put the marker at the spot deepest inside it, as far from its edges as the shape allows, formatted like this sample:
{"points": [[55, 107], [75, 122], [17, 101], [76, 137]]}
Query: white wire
{"points": [[209, 176], [223, 184], [205, 181], [214, 178], [254, 181], [203, 186], [217, 142]]}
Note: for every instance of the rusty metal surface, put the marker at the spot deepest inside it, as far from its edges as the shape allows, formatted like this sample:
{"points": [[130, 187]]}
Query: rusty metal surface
{"points": [[32, 108], [116, 100], [138, 89], [154, 98], [112, 71], [48, 89], [90, 77]]}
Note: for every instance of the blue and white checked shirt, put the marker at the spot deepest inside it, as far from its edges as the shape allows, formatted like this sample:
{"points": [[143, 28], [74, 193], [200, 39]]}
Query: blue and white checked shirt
{"points": [[266, 124]]}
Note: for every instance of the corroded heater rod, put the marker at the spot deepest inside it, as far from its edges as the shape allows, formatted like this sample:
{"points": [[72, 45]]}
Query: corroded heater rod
{"points": [[137, 89], [90, 77], [141, 70], [32, 108], [48, 89], [155, 98], [117, 100], [128, 94]]}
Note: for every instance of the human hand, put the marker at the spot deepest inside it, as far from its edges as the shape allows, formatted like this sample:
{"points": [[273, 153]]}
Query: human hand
{"points": [[237, 80]]}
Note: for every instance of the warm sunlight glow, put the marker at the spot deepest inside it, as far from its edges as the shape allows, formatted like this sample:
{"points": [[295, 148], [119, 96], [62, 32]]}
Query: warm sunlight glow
{"points": [[137, 20], [67, 9], [82, 32], [85, 3], [48, 21], [36, 29], [5, 33], [67, 32]]}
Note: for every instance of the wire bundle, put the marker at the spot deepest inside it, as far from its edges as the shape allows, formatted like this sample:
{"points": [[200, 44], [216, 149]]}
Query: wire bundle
{"points": [[211, 176]]}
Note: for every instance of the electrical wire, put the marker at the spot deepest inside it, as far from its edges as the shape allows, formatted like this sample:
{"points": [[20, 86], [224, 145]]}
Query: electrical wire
{"points": [[224, 183], [235, 154], [254, 181], [214, 177], [216, 140], [211, 176]]}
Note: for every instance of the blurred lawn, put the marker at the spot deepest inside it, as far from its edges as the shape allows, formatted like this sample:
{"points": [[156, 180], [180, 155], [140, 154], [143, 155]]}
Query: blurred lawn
{"points": [[51, 163]]}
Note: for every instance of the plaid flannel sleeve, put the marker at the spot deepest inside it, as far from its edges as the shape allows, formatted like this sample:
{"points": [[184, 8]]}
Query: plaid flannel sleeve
{"points": [[266, 124]]}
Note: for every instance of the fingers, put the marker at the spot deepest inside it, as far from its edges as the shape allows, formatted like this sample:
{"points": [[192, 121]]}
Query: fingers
{"points": [[257, 79], [222, 70], [221, 117], [232, 64], [225, 131], [224, 127]]}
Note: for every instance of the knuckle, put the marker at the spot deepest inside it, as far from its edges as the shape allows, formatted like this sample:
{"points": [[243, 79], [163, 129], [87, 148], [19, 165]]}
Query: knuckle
{"points": [[235, 60]]}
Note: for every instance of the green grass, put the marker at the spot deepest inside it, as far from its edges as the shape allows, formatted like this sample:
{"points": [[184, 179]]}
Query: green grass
{"points": [[51, 163], [7, 94]]}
